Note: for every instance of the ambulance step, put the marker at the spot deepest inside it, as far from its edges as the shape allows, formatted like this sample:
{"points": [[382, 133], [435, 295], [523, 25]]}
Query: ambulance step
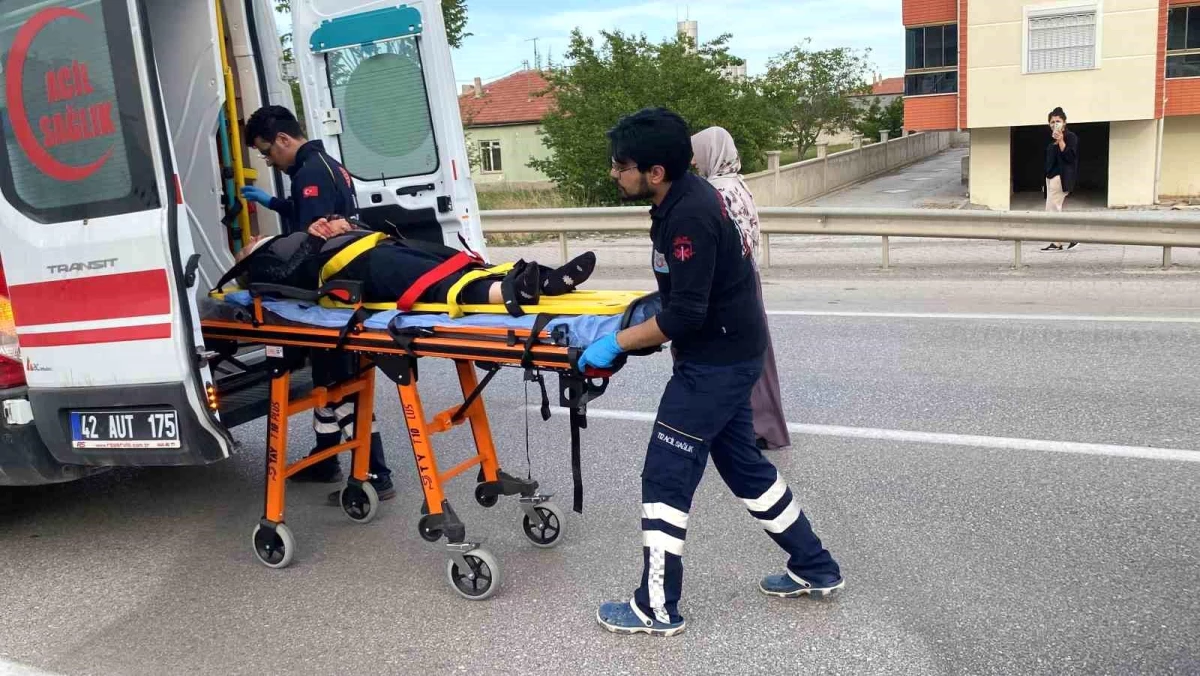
{"points": [[249, 403]]}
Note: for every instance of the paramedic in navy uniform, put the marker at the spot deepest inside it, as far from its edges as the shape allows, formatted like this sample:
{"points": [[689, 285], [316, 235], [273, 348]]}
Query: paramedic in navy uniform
{"points": [[712, 317], [321, 187]]}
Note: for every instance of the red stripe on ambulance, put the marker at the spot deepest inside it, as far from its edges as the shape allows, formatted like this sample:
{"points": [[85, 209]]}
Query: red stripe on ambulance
{"points": [[86, 299], [123, 334]]}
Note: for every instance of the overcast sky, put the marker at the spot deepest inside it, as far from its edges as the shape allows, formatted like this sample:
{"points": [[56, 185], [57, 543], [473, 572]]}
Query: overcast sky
{"points": [[760, 28]]}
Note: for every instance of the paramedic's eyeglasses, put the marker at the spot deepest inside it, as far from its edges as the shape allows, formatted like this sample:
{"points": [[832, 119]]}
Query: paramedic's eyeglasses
{"points": [[622, 170], [266, 154]]}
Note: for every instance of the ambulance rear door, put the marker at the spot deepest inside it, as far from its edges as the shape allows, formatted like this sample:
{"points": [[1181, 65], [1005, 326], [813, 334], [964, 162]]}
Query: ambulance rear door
{"points": [[379, 90], [95, 252]]}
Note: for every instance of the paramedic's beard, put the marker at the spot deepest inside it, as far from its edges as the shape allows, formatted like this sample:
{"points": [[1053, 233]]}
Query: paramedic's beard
{"points": [[643, 191]]}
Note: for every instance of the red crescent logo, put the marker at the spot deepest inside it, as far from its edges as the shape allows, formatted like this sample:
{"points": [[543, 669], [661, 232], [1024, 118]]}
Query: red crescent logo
{"points": [[14, 82]]}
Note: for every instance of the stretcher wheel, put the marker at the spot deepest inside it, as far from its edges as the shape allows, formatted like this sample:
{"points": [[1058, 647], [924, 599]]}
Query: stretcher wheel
{"points": [[483, 498], [274, 547], [429, 533], [548, 534], [360, 502], [480, 581]]}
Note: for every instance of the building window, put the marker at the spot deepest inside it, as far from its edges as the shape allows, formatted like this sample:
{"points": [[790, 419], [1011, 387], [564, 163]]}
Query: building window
{"points": [[932, 47], [1061, 40], [1183, 42], [931, 60], [490, 150]]}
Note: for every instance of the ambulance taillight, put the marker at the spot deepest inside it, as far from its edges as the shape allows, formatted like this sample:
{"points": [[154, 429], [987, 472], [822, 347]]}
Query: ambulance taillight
{"points": [[12, 370]]}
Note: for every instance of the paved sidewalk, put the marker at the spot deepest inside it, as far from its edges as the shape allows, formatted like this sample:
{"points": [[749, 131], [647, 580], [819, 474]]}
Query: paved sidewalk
{"points": [[932, 183]]}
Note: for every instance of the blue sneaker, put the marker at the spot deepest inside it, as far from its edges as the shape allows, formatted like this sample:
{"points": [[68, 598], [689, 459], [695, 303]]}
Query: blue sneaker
{"points": [[789, 586], [622, 617]]}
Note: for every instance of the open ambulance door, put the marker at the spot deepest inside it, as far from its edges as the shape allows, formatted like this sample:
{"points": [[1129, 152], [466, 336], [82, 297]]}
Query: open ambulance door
{"points": [[97, 255], [379, 90]]}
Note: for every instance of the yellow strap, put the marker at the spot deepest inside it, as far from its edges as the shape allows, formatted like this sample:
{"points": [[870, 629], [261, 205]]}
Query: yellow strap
{"points": [[347, 255], [475, 275]]}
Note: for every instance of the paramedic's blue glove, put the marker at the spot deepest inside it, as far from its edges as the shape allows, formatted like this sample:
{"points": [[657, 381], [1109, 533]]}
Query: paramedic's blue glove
{"points": [[601, 354], [256, 194]]}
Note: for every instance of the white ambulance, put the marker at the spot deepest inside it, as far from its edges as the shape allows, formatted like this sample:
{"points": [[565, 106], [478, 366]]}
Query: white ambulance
{"points": [[120, 175]]}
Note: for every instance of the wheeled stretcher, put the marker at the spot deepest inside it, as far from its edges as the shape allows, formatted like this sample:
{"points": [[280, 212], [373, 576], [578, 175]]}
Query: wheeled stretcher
{"points": [[290, 323]]}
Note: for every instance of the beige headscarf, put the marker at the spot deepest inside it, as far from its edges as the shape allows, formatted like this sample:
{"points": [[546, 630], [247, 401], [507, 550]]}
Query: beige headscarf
{"points": [[716, 158]]}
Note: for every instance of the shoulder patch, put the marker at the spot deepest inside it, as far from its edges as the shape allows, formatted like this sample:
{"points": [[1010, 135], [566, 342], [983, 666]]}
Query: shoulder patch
{"points": [[682, 249], [311, 191]]}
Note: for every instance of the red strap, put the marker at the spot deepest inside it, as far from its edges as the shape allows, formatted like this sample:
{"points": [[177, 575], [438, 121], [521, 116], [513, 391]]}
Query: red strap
{"points": [[444, 269]]}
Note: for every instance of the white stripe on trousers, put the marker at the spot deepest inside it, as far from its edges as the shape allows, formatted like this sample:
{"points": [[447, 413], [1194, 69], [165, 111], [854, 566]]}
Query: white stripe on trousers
{"points": [[664, 512], [768, 499]]}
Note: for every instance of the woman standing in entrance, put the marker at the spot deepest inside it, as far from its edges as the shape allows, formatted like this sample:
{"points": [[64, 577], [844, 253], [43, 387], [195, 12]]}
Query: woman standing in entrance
{"points": [[716, 158]]}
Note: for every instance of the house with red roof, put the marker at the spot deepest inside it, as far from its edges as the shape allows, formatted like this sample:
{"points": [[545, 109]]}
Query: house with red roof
{"points": [[501, 120]]}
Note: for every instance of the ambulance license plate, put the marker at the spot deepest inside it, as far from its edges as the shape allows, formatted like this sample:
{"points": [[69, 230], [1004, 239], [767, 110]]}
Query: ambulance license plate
{"points": [[116, 429]]}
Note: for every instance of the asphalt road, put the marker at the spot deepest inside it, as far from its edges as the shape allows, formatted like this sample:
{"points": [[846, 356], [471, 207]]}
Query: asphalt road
{"points": [[971, 473]]}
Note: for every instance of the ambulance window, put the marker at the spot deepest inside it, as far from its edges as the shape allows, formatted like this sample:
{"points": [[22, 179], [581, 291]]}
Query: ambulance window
{"points": [[387, 130], [76, 141]]}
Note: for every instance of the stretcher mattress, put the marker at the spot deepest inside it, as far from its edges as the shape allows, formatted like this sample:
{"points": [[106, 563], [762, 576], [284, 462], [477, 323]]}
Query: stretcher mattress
{"points": [[579, 331]]}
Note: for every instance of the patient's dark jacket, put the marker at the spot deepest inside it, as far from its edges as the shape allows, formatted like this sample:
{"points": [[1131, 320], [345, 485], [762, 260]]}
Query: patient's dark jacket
{"points": [[386, 270]]}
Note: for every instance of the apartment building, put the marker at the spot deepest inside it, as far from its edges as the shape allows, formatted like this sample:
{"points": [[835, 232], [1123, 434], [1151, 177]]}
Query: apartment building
{"points": [[1127, 72]]}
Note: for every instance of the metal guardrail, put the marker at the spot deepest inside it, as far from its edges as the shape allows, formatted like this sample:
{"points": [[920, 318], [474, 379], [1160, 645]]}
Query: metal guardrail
{"points": [[1135, 228]]}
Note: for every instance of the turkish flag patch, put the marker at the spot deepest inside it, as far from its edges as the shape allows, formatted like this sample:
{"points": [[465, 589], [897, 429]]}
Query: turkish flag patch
{"points": [[311, 191], [681, 248]]}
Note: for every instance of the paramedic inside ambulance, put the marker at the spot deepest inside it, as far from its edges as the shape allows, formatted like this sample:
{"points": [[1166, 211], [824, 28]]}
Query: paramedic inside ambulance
{"points": [[320, 184]]}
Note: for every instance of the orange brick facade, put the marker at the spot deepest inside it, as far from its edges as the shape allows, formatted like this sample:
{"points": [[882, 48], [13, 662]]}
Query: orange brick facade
{"points": [[918, 12], [931, 113], [962, 65], [1183, 96], [1160, 71]]}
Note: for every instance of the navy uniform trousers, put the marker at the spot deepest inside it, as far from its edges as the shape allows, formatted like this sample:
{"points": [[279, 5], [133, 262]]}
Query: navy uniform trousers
{"points": [[334, 424], [705, 411]]}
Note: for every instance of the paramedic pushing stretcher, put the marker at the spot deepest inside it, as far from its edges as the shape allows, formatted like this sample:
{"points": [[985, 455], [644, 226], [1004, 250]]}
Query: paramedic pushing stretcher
{"points": [[320, 187], [713, 319]]}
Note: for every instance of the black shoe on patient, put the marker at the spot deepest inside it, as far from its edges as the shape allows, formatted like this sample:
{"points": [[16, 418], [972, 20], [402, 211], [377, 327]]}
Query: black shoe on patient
{"points": [[566, 279]]}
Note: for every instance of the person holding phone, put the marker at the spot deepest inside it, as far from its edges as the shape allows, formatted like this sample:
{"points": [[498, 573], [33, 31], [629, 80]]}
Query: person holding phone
{"points": [[1062, 167]]}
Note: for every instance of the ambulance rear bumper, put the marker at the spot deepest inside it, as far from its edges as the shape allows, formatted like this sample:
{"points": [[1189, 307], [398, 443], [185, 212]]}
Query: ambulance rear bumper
{"points": [[24, 458]]}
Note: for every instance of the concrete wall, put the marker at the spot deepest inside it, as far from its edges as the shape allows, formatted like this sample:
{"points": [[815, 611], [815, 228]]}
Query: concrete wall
{"points": [[518, 144], [1181, 157], [803, 181], [991, 168], [1121, 87], [1132, 149]]}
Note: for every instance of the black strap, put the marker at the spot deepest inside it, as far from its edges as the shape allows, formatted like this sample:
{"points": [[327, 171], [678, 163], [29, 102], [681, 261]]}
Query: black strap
{"points": [[360, 315], [532, 376], [462, 410], [508, 289], [539, 324], [578, 422]]}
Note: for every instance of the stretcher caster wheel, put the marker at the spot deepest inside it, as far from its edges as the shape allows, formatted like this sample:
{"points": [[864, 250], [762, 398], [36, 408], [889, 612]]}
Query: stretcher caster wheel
{"points": [[546, 531], [484, 498], [274, 547], [428, 531], [360, 502], [479, 580]]}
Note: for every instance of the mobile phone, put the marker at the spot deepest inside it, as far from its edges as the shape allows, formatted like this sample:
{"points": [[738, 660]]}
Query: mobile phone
{"points": [[1058, 126]]}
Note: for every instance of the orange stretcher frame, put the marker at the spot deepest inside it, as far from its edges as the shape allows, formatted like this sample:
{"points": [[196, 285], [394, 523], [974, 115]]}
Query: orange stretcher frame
{"points": [[471, 570]]}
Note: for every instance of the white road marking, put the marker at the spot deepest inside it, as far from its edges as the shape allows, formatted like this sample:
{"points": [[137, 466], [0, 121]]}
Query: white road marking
{"points": [[943, 439], [13, 669], [985, 316]]}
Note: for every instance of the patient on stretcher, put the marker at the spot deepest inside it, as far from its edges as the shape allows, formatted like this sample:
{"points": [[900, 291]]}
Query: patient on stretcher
{"points": [[401, 271]]}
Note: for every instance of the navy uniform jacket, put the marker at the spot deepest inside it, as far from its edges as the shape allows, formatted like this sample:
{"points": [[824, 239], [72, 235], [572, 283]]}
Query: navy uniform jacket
{"points": [[711, 311], [320, 187]]}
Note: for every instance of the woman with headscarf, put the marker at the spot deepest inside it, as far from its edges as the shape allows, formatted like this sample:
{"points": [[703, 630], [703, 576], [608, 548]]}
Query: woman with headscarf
{"points": [[716, 158]]}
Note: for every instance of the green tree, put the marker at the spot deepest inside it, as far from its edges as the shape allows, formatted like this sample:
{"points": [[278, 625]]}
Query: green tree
{"points": [[623, 74], [812, 90], [878, 118]]}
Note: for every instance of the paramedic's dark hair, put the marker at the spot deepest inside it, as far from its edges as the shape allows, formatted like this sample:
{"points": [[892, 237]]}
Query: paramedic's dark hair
{"points": [[653, 136], [1057, 112], [270, 121]]}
